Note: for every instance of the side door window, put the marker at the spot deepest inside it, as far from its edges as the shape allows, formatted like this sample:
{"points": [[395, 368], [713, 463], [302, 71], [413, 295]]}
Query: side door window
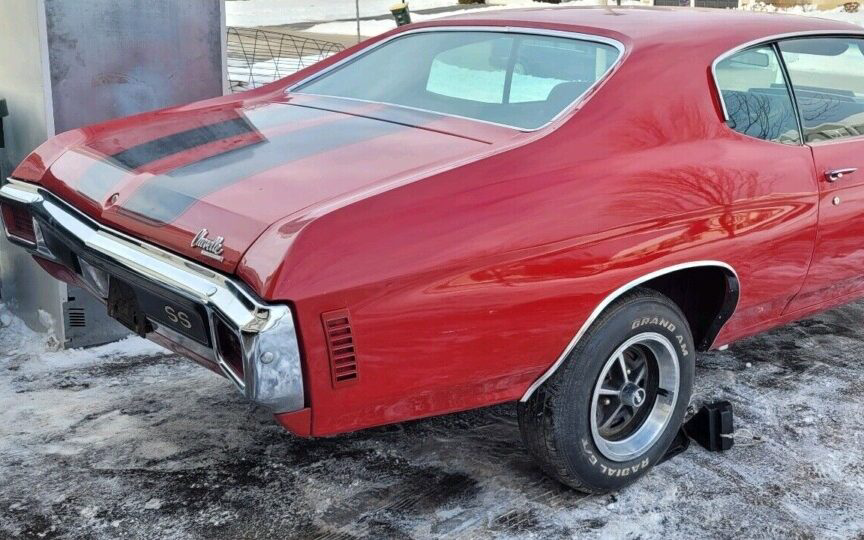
{"points": [[827, 75], [756, 96]]}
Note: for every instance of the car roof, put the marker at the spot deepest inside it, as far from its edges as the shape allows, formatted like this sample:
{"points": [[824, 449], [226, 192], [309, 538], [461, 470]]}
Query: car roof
{"points": [[643, 25]]}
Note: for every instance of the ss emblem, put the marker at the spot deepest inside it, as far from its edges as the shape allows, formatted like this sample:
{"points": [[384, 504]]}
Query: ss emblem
{"points": [[178, 317]]}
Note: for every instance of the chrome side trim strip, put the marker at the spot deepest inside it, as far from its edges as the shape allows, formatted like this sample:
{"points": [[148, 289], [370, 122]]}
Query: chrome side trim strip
{"points": [[499, 29], [767, 41], [607, 301]]}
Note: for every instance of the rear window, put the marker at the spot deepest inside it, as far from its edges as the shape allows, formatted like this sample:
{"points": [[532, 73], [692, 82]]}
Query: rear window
{"points": [[519, 80]]}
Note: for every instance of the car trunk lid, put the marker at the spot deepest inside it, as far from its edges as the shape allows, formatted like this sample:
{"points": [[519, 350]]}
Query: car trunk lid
{"points": [[206, 183]]}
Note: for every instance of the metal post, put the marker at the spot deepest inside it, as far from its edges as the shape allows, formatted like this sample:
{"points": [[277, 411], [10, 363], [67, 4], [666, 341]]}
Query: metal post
{"points": [[4, 111], [357, 10]]}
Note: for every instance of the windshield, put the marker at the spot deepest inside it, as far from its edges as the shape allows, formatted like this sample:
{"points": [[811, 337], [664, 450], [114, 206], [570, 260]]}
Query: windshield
{"points": [[519, 80]]}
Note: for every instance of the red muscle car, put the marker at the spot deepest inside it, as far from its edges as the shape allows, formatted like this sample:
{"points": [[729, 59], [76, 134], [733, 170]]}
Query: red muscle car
{"points": [[559, 207]]}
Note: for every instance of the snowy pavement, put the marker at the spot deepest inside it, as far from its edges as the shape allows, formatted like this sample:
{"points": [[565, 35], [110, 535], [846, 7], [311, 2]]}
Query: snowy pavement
{"points": [[131, 441]]}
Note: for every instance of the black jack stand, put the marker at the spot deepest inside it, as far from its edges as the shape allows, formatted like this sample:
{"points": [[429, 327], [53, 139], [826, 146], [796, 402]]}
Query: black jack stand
{"points": [[712, 428]]}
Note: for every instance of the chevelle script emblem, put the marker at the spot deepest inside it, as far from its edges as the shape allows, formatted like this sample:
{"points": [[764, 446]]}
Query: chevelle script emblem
{"points": [[209, 247]]}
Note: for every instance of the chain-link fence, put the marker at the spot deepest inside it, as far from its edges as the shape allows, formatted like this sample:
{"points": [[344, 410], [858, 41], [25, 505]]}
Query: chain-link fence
{"points": [[257, 57]]}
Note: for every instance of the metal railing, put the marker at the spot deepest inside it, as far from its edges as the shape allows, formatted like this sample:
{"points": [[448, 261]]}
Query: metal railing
{"points": [[257, 57]]}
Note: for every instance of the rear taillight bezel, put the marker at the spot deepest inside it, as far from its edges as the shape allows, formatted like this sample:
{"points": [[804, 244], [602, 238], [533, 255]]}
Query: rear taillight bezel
{"points": [[228, 345], [18, 223]]}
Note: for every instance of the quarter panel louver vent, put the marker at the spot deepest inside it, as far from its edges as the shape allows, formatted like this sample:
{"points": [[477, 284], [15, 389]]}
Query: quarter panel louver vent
{"points": [[341, 347]]}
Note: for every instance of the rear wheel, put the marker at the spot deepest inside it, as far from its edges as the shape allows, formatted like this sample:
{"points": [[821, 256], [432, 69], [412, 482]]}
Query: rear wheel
{"points": [[611, 411]]}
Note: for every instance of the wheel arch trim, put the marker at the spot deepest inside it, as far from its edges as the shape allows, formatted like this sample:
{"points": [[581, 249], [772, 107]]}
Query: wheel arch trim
{"points": [[614, 295]]}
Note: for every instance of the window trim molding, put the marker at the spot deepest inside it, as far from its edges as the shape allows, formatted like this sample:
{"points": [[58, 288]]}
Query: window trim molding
{"points": [[790, 88], [622, 50]]}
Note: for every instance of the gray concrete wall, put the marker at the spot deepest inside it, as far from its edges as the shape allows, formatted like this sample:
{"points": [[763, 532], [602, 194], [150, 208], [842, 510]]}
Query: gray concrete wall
{"points": [[110, 59], [69, 63], [23, 71]]}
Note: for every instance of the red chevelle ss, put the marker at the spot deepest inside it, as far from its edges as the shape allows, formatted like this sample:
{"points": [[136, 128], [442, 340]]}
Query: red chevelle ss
{"points": [[559, 207]]}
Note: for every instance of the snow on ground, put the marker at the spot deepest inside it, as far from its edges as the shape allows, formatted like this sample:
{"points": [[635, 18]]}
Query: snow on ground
{"points": [[341, 13], [837, 15], [244, 76], [132, 441], [276, 12], [250, 13], [379, 26]]}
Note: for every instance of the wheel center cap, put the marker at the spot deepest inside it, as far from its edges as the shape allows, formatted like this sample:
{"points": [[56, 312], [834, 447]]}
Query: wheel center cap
{"points": [[632, 395]]}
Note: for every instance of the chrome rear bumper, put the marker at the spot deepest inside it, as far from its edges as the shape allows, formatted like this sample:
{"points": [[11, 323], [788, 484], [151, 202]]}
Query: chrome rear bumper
{"points": [[271, 373]]}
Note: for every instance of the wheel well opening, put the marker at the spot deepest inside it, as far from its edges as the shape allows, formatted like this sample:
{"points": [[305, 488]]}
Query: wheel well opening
{"points": [[707, 295]]}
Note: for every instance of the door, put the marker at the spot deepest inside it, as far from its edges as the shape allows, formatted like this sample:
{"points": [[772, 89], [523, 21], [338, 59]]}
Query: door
{"points": [[827, 76]]}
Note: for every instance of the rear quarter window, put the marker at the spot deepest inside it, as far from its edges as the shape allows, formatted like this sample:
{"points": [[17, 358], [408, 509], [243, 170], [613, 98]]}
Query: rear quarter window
{"points": [[756, 96]]}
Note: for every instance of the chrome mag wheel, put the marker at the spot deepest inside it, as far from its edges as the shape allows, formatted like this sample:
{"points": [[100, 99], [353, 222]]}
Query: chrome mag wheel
{"points": [[635, 396]]}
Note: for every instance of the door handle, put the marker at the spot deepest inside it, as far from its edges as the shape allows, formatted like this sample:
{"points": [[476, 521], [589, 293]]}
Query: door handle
{"points": [[838, 174]]}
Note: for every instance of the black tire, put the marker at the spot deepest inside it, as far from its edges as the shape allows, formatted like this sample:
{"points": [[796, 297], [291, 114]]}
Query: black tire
{"points": [[556, 421]]}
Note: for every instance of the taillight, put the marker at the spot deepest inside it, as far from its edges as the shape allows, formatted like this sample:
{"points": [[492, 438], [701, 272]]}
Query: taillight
{"points": [[18, 222]]}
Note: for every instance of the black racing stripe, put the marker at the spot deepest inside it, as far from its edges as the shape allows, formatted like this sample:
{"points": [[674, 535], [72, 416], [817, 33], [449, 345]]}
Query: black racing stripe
{"points": [[142, 154], [104, 177], [164, 198]]}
